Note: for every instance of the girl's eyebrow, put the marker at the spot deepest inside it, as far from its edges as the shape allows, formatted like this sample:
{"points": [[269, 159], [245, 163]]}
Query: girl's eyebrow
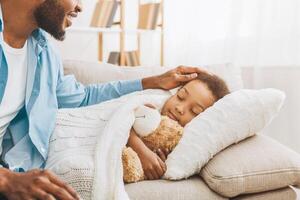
{"points": [[187, 92]]}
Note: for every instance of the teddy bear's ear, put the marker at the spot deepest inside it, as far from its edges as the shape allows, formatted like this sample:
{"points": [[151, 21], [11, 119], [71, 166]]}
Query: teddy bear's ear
{"points": [[146, 120]]}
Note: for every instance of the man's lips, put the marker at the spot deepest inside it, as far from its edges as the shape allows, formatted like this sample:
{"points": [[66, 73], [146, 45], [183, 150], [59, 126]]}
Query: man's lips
{"points": [[69, 22], [73, 14], [70, 17]]}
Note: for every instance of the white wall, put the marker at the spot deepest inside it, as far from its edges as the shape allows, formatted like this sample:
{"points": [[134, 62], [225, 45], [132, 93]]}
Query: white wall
{"points": [[285, 127]]}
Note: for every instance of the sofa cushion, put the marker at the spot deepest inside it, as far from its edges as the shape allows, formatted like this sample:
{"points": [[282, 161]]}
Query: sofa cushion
{"points": [[253, 165], [95, 72], [280, 194], [191, 189]]}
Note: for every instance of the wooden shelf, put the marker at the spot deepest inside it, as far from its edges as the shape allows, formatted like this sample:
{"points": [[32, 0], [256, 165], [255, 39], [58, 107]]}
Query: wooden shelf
{"points": [[110, 30], [119, 27]]}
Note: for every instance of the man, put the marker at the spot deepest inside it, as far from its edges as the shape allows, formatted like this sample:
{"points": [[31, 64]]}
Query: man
{"points": [[33, 87]]}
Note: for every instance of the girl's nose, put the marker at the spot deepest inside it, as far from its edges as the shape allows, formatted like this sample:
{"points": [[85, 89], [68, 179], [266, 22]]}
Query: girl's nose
{"points": [[179, 109]]}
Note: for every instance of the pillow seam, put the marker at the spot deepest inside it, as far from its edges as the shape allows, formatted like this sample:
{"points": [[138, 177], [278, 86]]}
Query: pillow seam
{"points": [[255, 173]]}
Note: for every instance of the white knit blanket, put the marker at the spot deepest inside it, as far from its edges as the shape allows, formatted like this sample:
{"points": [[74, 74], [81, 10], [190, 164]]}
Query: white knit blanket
{"points": [[86, 145]]}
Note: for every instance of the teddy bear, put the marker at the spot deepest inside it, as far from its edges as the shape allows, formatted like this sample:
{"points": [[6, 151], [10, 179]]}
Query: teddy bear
{"points": [[159, 132]]}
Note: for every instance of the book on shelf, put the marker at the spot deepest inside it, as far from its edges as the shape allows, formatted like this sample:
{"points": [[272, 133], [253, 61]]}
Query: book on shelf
{"points": [[104, 13], [114, 58], [149, 14], [131, 58]]}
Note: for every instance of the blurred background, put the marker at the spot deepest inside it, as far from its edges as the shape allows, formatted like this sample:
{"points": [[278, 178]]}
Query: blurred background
{"points": [[262, 37]]}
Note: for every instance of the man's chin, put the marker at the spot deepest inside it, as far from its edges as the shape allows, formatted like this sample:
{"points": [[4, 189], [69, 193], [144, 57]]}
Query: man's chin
{"points": [[61, 35]]}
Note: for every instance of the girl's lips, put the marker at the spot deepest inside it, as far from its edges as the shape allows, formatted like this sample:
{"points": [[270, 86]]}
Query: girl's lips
{"points": [[172, 116]]}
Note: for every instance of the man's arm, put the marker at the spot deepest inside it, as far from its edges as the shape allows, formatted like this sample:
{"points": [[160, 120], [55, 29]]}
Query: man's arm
{"points": [[71, 93], [34, 184]]}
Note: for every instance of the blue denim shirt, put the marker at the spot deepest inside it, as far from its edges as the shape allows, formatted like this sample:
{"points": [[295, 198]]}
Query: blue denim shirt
{"points": [[25, 144]]}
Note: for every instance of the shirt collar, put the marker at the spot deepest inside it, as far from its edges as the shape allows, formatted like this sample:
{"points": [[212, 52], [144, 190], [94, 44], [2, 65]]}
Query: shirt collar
{"points": [[38, 34], [1, 19]]}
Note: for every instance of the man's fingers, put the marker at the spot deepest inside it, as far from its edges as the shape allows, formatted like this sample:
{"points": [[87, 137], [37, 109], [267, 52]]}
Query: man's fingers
{"points": [[54, 179], [189, 70], [185, 77], [58, 192], [40, 194]]}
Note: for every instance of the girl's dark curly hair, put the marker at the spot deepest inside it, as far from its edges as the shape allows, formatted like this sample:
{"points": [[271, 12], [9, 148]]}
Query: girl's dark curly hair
{"points": [[215, 84]]}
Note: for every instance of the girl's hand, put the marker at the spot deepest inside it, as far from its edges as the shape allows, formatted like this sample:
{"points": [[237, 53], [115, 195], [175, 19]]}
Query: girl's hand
{"points": [[163, 153], [153, 166]]}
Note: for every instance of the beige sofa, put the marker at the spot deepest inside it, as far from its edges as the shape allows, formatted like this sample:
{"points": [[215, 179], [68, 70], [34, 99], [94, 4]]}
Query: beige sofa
{"points": [[256, 168]]}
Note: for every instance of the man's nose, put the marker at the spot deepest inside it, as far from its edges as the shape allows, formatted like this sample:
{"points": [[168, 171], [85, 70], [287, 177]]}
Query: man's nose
{"points": [[79, 6]]}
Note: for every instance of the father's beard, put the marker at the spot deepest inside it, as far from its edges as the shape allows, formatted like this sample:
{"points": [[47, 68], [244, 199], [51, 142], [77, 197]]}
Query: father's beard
{"points": [[50, 16]]}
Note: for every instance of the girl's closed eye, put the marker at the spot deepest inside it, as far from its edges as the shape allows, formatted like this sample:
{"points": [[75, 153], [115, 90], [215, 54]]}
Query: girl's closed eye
{"points": [[197, 110], [179, 97]]}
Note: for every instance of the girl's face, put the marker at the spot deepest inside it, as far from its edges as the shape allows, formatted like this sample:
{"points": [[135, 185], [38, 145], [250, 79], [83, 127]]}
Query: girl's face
{"points": [[188, 102]]}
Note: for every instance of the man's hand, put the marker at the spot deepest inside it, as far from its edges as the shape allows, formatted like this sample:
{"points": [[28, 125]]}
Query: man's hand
{"points": [[173, 78], [35, 184], [153, 166]]}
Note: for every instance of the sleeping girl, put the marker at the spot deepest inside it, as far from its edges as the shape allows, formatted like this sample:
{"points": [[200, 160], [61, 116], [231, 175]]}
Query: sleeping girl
{"points": [[85, 147], [188, 102]]}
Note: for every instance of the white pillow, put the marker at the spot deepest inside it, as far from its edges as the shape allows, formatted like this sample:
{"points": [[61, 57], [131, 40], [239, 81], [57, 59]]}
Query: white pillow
{"points": [[233, 118]]}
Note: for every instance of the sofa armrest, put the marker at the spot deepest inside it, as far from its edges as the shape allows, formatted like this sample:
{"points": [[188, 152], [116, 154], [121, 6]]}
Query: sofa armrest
{"points": [[96, 72]]}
